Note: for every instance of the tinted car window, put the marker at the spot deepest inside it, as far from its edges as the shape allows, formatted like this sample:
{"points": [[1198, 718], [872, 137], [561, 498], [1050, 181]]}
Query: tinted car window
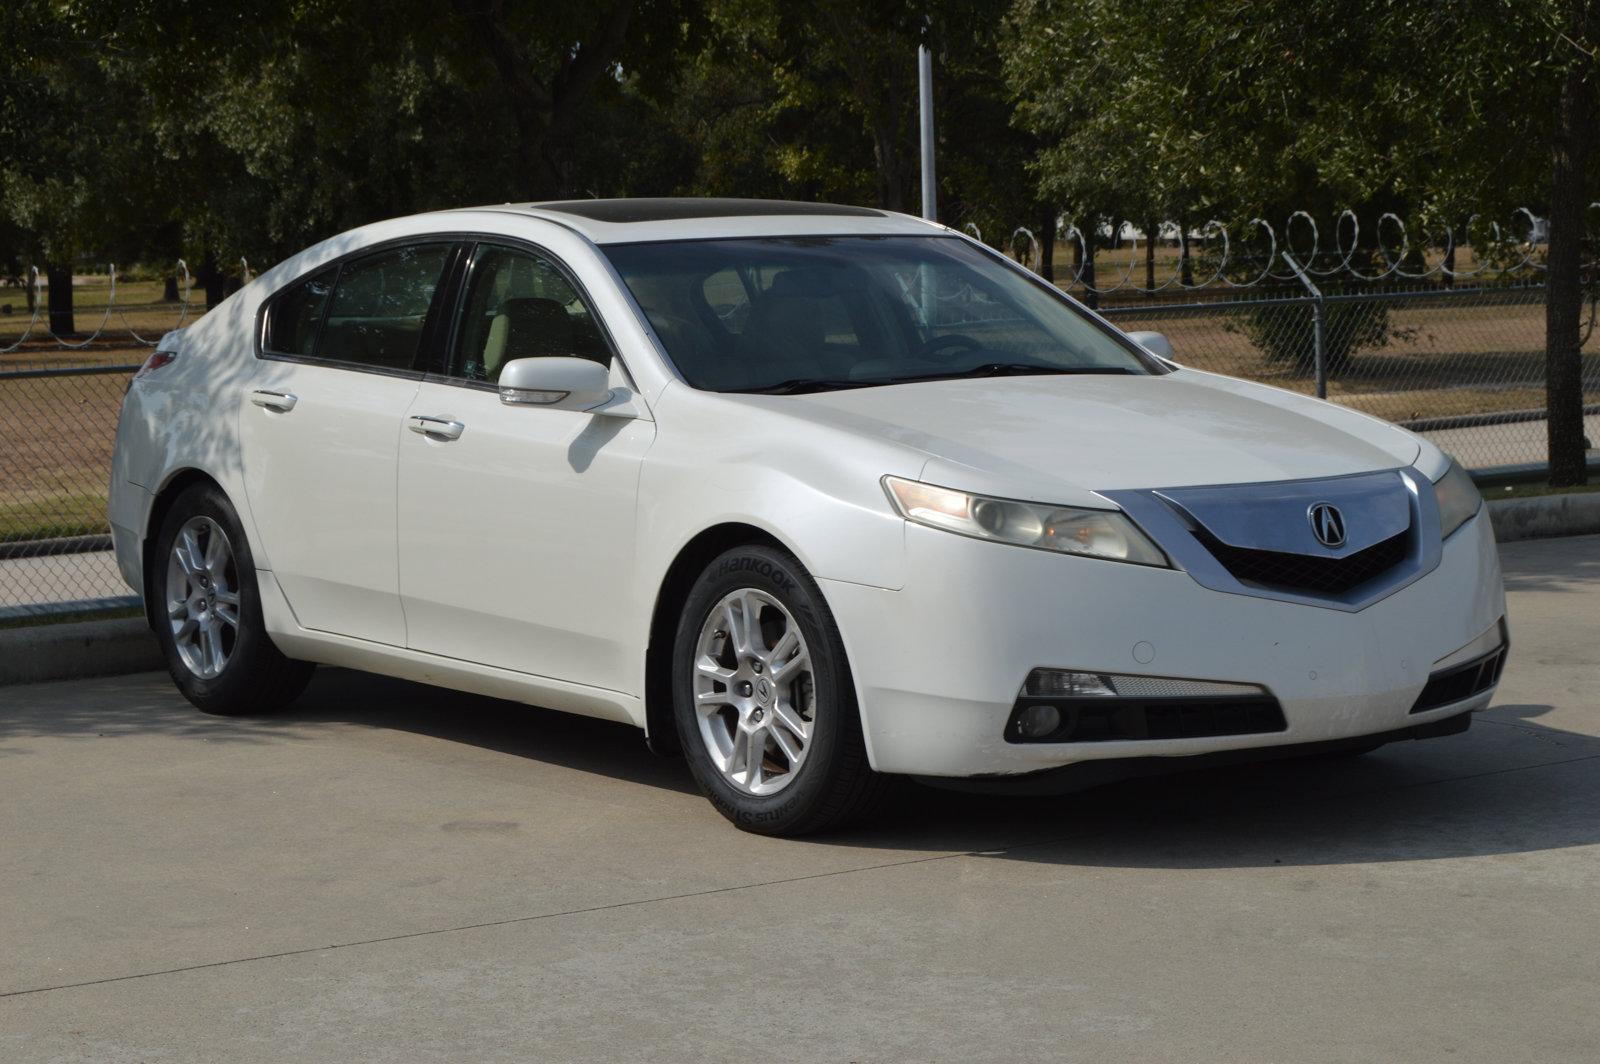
{"points": [[798, 313], [380, 305], [519, 305], [296, 313]]}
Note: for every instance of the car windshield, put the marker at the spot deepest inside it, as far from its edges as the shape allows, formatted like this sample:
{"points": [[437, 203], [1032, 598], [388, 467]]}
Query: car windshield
{"points": [[799, 314]]}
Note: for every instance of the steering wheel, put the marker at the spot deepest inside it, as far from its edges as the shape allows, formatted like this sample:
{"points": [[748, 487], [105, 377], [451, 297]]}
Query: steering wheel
{"points": [[955, 342]]}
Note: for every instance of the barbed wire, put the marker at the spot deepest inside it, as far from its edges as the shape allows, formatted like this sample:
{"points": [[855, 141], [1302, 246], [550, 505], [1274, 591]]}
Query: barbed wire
{"points": [[36, 282], [1504, 251]]}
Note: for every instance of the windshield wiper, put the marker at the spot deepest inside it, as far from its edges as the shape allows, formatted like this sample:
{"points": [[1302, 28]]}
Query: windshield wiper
{"points": [[1022, 369], [800, 385]]}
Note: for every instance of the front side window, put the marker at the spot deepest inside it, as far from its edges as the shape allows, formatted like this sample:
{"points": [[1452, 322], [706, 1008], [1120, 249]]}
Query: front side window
{"points": [[519, 305], [296, 313], [380, 306], [795, 314]]}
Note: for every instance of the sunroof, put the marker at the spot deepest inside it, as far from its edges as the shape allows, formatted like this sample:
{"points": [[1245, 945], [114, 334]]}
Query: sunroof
{"points": [[667, 209]]}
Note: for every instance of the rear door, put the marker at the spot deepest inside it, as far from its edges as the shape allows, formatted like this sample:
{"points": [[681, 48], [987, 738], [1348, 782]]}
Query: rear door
{"points": [[320, 427], [517, 523]]}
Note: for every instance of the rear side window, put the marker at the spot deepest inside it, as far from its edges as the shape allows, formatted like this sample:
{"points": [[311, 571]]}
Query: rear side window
{"points": [[295, 315], [380, 305]]}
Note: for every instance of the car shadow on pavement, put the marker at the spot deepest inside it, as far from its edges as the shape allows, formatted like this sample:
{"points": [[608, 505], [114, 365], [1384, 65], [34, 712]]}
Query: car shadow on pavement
{"points": [[585, 744], [1509, 785], [147, 705]]}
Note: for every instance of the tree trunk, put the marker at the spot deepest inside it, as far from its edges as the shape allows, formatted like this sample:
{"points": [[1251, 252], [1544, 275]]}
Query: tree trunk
{"points": [[212, 281], [169, 289], [59, 299], [544, 109], [1447, 275], [1090, 296], [1151, 230], [1047, 246], [1564, 284], [1185, 263], [890, 165]]}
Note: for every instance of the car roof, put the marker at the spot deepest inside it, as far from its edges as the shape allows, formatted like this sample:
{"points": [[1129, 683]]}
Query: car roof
{"points": [[632, 221]]}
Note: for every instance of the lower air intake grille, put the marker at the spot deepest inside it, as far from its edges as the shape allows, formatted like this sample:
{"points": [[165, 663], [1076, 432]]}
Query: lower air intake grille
{"points": [[1090, 720], [1462, 681], [1306, 572]]}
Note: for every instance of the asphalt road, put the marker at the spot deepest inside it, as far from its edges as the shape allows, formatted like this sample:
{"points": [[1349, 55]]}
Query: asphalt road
{"points": [[392, 873]]}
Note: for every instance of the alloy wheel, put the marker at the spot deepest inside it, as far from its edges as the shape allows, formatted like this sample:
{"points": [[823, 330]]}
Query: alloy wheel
{"points": [[755, 697], [202, 599]]}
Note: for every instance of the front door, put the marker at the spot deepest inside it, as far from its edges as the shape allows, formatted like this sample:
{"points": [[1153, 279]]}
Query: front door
{"points": [[517, 522], [319, 428]]}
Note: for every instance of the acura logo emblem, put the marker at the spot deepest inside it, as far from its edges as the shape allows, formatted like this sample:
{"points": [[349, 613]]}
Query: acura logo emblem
{"points": [[1327, 524]]}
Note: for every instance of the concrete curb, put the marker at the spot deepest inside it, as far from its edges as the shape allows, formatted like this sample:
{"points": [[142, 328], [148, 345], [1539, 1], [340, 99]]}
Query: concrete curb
{"points": [[1541, 516], [77, 651]]}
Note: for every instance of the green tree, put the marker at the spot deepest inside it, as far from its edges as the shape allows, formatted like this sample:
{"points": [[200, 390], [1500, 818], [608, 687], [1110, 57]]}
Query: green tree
{"points": [[1266, 106], [72, 179]]}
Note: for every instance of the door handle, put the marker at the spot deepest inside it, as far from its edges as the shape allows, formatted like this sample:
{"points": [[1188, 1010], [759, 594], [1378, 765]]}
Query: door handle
{"points": [[282, 402], [439, 428]]}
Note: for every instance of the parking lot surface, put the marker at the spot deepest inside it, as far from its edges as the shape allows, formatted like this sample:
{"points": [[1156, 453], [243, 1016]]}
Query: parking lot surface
{"points": [[389, 872]]}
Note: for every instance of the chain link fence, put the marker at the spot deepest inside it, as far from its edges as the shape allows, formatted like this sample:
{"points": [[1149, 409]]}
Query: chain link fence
{"points": [[1463, 363], [59, 400], [1463, 366]]}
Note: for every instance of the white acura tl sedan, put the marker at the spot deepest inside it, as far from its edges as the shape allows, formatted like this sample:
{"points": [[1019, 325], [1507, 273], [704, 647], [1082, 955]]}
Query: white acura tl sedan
{"points": [[816, 495]]}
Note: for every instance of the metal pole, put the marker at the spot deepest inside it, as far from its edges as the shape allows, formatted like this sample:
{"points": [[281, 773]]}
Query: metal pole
{"points": [[1319, 326], [930, 187]]}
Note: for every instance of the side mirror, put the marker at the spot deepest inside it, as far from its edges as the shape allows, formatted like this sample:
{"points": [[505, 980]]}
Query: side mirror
{"points": [[562, 382], [1155, 343]]}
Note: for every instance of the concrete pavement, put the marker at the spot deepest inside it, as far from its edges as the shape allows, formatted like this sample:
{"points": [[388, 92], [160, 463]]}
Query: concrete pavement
{"points": [[393, 873]]}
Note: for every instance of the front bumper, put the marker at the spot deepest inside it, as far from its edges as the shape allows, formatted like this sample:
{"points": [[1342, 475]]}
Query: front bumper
{"points": [[938, 664]]}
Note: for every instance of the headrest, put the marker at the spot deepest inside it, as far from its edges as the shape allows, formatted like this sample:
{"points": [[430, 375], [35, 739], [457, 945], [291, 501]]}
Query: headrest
{"points": [[810, 282], [536, 327]]}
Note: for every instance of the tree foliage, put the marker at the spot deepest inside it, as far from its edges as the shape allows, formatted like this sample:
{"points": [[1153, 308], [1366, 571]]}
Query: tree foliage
{"points": [[221, 129]]}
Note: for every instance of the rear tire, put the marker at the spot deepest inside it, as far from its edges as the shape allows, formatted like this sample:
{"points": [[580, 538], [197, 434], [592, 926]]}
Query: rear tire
{"points": [[764, 701], [206, 606]]}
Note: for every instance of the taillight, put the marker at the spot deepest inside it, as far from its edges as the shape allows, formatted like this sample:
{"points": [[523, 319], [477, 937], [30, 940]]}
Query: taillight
{"points": [[155, 362]]}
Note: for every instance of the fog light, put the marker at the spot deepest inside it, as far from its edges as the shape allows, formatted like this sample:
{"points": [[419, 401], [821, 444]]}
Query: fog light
{"points": [[1037, 721], [1078, 706], [1064, 683]]}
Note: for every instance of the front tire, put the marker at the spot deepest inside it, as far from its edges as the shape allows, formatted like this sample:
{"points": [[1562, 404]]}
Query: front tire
{"points": [[764, 701], [206, 605]]}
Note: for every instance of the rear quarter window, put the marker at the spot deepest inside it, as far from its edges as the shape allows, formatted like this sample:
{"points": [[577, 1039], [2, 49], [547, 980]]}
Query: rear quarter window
{"points": [[296, 314]]}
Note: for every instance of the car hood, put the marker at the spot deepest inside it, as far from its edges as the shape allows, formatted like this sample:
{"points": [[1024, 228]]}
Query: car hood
{"points": [[1037, 437]]}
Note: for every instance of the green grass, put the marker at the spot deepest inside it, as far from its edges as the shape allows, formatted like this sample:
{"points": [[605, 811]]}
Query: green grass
{"points": [[50, 516], [72, 618]]}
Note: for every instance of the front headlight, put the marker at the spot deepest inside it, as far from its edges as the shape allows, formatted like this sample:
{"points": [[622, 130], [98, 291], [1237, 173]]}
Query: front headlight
{"points": [[1458, 498], [1065, 529]]}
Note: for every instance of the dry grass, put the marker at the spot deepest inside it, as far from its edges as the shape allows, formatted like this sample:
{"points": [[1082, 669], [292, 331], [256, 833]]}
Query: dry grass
{"points": [[56, 434], [56, 437]]}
